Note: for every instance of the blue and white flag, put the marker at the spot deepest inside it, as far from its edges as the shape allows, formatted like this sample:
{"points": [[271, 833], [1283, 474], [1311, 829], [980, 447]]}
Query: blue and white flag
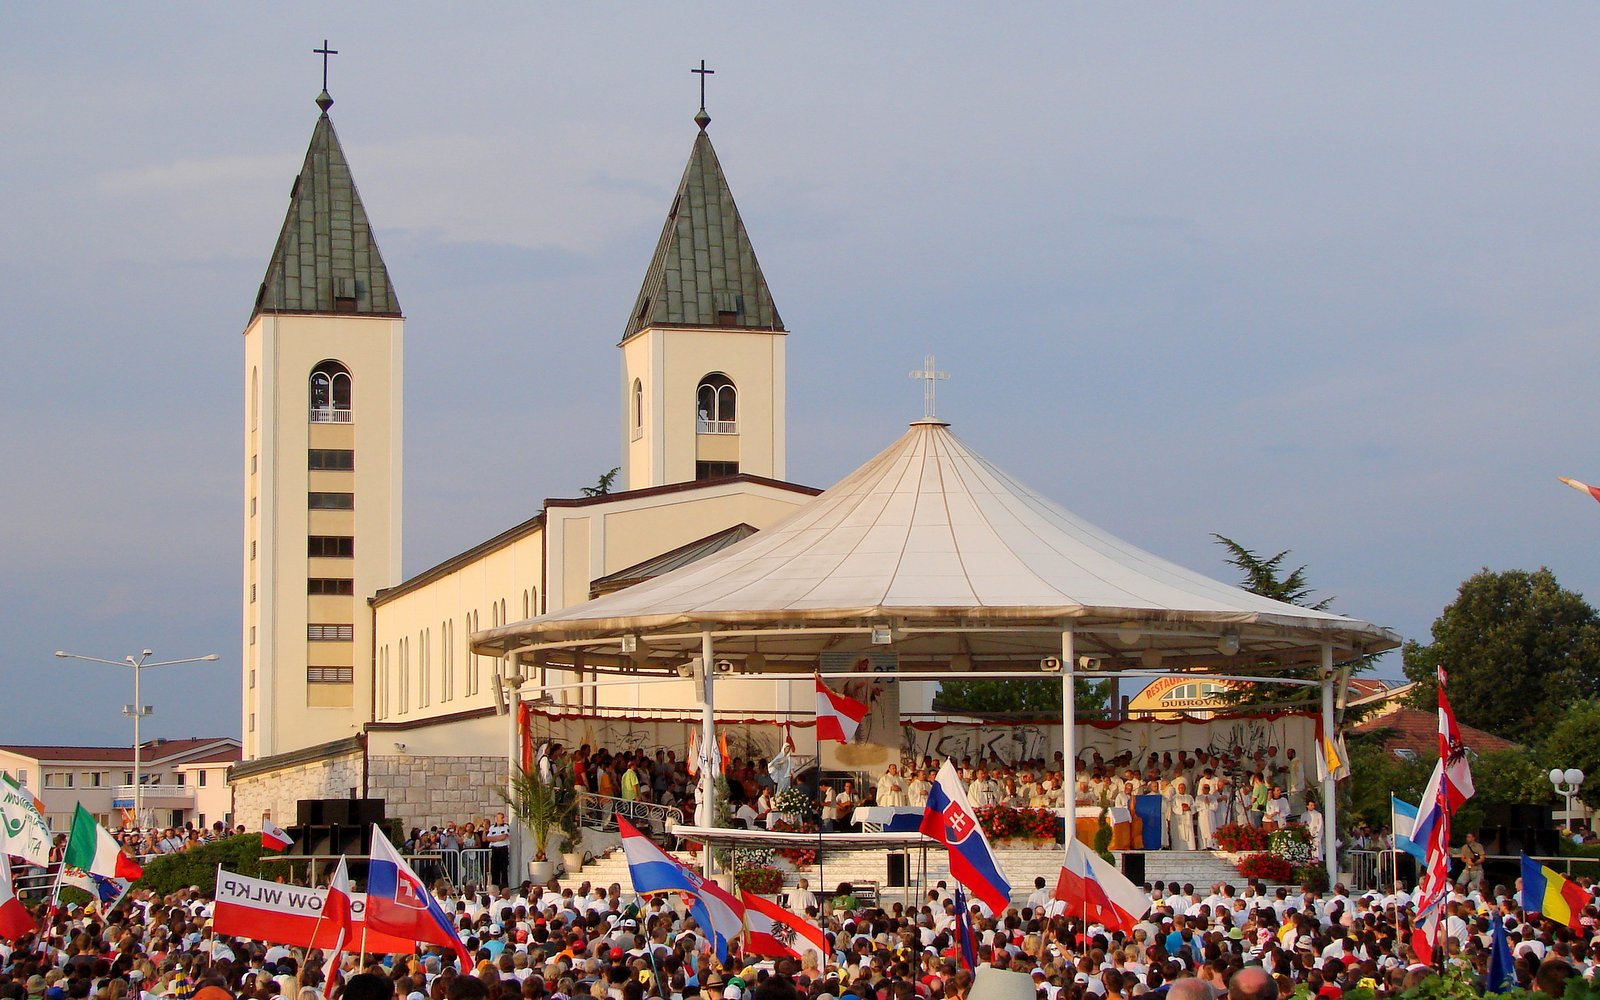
{"points": [[1403, 816]]}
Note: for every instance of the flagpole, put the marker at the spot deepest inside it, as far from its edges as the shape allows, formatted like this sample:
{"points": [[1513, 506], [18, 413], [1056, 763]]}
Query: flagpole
{"points": [[55, 898]]}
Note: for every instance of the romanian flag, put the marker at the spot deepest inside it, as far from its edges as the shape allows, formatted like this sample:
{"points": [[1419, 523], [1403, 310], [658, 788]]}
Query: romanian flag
{"points": [[1551, 896]]}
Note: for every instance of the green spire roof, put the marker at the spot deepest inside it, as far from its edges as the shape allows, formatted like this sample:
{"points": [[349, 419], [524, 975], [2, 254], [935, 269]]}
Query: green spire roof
{"points": [[704, 272], [326, 260]]}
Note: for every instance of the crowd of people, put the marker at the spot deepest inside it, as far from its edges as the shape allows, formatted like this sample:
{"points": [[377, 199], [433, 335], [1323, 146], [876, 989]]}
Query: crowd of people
{"points": [[562, 942]]}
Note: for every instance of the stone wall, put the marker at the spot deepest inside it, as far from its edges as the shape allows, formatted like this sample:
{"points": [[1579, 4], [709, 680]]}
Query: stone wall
{"points": [[277, 786], [430, 791]]}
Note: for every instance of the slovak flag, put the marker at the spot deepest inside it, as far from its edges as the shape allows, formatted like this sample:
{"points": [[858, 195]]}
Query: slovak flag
{"points": [[772, 931], [652, 870], [1093, 889], [398, 903], [838, 715], [949, 818], [273, 838], [336, 910]]}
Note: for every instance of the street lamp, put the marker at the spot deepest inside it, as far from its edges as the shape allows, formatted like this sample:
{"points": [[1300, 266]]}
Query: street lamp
{"points": [[137, 710], [1567, 784]]}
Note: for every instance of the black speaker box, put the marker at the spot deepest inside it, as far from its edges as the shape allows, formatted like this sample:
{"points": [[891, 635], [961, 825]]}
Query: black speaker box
{"points": [[1133, 866], [1496, 814], [1547, 840], [1535, 817], [308, 812], [369, 811], [337, 811], [898, 864]]}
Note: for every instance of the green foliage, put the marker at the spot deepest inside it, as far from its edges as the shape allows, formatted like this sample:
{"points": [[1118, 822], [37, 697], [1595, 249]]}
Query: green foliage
{"points": [[541, 806], [1040, 697], [1374, 773], [1516, 646], [602, 487], [1574, 741], [241, 855]]}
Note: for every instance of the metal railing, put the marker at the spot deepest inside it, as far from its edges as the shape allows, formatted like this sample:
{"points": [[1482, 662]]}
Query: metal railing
{"points": [[458, 865], [1365, 869], [329, 415], [600, 812], [148, 792], [704, 426]]}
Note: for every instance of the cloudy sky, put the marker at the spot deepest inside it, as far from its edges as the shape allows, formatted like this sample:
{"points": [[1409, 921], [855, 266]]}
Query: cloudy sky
{"points": [[1316, 277]]}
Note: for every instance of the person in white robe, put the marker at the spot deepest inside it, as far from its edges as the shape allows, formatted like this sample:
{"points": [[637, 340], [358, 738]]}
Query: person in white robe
{"points": [[1182, 806], [1206, 800], [892, 788], [1312, 818]]}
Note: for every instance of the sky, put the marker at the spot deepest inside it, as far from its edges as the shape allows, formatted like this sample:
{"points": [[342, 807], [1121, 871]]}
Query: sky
{"points": [[1316, 277]]}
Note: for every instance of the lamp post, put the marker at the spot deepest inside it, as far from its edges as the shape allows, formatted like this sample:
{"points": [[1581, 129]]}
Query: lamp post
{"points": [[1567, 784], [137, 710]]}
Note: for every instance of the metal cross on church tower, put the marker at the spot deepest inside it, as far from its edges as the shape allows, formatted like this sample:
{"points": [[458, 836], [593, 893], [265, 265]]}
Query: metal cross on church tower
{"points": [[325, 52], [931, 377]]}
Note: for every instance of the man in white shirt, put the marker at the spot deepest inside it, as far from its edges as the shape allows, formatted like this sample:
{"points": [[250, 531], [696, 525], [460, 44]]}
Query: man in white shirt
{"points": [[1040, 896]]}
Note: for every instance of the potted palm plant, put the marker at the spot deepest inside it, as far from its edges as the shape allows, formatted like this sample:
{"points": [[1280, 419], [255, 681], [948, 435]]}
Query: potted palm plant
{"points": [[541, 807], [572, 843]]}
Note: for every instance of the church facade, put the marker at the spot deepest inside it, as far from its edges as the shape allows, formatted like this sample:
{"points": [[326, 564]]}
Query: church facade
{"points": [[358, 681]]}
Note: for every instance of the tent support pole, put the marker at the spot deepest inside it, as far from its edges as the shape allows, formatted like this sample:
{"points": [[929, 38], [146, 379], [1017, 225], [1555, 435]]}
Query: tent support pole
{"points": [[1330, 809], [1069, 736], [708, 736]]}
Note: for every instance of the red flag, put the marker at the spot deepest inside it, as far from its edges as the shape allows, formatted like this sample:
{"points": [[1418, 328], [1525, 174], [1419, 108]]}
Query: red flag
{"points": [[772, 931], [525, 729], [1581, 487], [1093, 889], [273, 838], [15, 920], [838, 716], [336, 910]]}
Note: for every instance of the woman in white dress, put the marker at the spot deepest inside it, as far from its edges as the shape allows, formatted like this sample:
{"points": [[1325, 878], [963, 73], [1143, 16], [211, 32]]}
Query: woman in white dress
{"points": [[892, 788], [1206, 809], [1182, 805]]}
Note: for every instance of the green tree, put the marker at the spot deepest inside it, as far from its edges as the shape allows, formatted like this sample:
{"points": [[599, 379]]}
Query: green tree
{"points": [[602, 487], [1013, 697], [1517, 647], [1574, 741], [1374, 774], [1266, 577]]}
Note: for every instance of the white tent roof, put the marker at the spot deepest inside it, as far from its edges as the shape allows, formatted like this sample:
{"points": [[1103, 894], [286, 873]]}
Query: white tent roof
{"points": [[929, 530]]}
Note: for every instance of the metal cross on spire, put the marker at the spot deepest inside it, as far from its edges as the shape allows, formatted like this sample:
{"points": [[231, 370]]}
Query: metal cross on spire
{"points": [[931, 377], [324, 52], [702, 119]]}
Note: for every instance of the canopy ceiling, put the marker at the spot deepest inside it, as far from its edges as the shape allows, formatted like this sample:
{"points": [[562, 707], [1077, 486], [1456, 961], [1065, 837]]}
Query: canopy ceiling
{"points": [[957, 557]]}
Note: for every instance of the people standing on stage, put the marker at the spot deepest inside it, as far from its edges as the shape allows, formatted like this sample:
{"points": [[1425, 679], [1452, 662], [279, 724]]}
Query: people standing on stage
{"points": [[1182, 807], [892, 788], [1206, 801]]}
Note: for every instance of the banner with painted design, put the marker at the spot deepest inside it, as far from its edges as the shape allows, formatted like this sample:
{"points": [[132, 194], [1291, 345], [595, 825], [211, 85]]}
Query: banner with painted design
{"points": [[27, 834], [292, 914]]}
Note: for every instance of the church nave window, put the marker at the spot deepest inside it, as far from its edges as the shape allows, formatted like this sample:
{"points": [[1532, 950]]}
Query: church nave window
{"points": [[330, 393], [715, 470], [638, 409], [715, 403]]}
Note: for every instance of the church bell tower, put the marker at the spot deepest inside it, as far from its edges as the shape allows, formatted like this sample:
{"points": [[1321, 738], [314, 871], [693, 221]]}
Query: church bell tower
{"points": [[703, 350], [323, 371]]}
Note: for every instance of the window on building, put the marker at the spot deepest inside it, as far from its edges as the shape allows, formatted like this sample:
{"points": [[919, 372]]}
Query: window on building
{"points": [[252, 722], [715, 402], [331, 460], [330, 587], [252, 551], [252, 506], [252, 593], [715, 470], [331, 547], [252, 635], [403, 699], [324, 632], [638, 409], [202, 780], [180, 779], [423, 677], [58, 779], [127, 777], [331, 501], [253, 463], [22, 776], [330, 393], [330, 675], [252, 679]]}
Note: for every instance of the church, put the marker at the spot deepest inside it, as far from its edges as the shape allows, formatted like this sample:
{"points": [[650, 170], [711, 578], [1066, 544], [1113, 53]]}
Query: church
{"points": [[359, 683]]}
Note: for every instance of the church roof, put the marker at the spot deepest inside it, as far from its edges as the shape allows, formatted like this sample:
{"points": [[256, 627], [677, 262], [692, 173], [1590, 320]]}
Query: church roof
{"points": [[677, 558], [704, 271], [326, 260], [929, 530]]}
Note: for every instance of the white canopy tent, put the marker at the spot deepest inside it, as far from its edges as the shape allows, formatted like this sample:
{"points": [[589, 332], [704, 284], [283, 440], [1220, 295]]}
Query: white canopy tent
{"points": [[932, 552]]}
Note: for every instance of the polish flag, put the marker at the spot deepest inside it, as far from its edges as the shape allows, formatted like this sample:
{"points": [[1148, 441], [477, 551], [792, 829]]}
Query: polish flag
{"points": [[1593, 491], [838, 716], [336, 908], [273, 838], [772, 931], [15, 920], [1092, 888]]}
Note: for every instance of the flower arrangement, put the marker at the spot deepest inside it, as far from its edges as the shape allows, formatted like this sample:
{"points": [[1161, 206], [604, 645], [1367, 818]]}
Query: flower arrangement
{"points": [[1006, 822], [763, 880], [793, 801], [751, 857], [1240, 838], [1264, 866], [800, 857]]}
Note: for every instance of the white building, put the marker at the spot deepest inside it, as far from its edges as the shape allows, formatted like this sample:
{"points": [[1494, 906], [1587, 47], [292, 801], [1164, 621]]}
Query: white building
{"points": [[185, 781]]}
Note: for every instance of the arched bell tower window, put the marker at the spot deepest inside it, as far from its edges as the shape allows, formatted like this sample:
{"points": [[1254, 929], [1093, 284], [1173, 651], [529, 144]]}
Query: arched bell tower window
{"points": [[330, 393], [715, 404], [638, 409]]}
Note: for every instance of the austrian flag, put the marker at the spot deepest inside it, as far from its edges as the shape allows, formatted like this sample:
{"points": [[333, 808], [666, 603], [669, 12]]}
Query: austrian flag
{"points": [[838, 716]]}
